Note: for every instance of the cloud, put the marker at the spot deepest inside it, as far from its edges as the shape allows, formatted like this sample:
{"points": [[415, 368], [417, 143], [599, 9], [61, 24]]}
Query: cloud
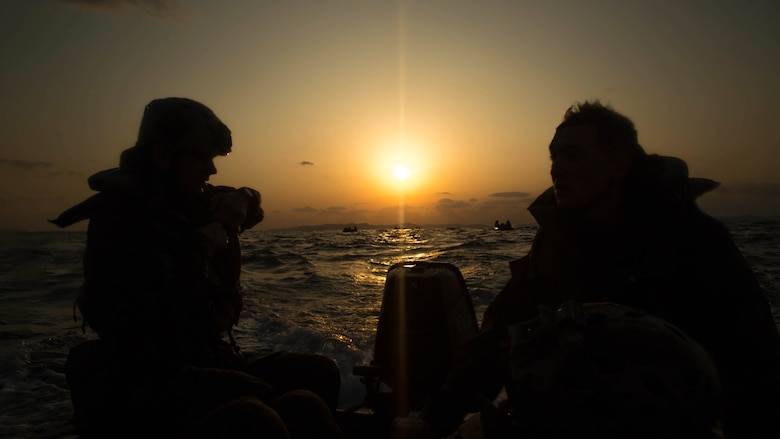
{"points": [[520, 195], [306, 163], [341, 212], [447, 204], [24, 165], [503, 199], [157, 8], [742, 198], [334, 209], [758, 189], [394, 210], [66, 174]]}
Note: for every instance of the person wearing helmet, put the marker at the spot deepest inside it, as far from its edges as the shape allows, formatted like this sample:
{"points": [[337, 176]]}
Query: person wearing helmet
{"points": [[162, 292], [620, 225]]}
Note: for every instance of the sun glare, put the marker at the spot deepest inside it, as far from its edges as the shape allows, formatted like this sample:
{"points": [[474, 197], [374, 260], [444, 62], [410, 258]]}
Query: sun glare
{"points": [[401, 172], [400, 168]]}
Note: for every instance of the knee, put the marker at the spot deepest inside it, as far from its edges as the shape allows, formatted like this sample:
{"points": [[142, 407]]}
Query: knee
{"points": [[301, 400], [245, 417], [307, 415], [326, 368], [330, 376]]}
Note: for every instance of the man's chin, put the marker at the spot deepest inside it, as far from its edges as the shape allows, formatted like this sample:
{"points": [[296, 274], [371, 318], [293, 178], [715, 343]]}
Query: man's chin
{"points": [[565, 202], [561, 198], [193, 191]]}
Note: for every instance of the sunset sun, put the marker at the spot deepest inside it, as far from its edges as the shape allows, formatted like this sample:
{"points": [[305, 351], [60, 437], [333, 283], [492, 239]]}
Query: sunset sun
{"points": [[400, 166], [401, 172]]}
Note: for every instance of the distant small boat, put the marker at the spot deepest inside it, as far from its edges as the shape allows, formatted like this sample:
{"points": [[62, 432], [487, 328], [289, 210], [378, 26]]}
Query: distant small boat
{"points": [[350, 229], [503, 226]]}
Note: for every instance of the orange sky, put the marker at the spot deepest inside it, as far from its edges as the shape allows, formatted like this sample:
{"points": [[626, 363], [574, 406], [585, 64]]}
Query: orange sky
{"points": [[324, 98]]}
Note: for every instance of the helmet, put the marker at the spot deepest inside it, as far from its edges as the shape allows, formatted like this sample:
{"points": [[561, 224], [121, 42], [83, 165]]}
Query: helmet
{"points": [[605, 370], [184, 125]]}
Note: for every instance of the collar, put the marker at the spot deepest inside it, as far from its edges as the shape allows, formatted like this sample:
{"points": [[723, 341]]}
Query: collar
{"points": [[657, 186]]}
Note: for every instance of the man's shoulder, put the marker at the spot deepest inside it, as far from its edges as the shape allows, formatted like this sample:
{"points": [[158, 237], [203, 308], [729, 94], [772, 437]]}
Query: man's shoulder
{"points": [[707, 237], [119, 209], [138, 222], [698, 222]]}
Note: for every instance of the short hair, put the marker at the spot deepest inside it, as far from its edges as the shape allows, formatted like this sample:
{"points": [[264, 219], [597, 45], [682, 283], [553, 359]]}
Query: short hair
{"points": [[614, 131]]}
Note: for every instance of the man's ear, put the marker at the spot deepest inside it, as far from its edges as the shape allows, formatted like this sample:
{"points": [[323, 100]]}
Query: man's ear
{"points": [[161, 157]]}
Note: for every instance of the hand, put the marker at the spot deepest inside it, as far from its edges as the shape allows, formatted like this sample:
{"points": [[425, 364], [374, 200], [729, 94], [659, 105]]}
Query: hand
{"points": [[230, 208], [412, 428]]}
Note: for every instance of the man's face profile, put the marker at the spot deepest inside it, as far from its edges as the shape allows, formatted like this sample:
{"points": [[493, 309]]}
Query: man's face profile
{"points": [[192, 170], [583, 174]]}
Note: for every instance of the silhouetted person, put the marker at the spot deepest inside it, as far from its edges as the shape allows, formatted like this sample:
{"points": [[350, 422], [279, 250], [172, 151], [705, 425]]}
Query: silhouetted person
{"points": [[622, 226], [161, 289]]}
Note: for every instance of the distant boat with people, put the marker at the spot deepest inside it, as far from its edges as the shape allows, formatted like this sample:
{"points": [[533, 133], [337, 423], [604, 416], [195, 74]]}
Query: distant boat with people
{"points": [[349, 229], [503, 226]]}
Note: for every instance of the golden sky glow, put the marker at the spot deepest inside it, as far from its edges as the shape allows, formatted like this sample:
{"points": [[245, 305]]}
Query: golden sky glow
{"points": [[326, 98]]}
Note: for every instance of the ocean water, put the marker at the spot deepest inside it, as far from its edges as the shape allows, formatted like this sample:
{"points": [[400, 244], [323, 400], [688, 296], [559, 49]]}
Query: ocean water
{"points": [[310, 291]]}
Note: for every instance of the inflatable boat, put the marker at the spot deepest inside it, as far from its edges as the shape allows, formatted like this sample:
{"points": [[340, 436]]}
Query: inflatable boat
{"points": [[426, 315]]}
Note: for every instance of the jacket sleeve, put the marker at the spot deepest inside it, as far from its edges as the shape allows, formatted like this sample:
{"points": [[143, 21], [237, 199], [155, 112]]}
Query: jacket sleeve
{"points": [[254, 214]]}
